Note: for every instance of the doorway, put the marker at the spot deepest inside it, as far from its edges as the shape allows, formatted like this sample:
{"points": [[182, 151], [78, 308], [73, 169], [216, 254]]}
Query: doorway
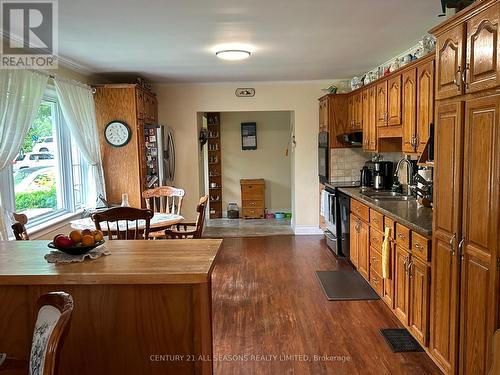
{"points": [[247, 145]]}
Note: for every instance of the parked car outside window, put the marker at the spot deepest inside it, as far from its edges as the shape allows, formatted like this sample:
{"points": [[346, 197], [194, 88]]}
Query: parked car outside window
{"points": [[45, 144], [31, 159]]}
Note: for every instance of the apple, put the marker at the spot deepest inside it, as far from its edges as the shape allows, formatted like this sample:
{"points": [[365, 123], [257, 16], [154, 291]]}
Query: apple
{"points": [[64, 242], [57, 235]]}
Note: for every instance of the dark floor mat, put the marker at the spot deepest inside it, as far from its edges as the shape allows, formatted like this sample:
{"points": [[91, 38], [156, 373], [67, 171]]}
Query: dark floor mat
{"points": [[400, 340], [345, 285]]}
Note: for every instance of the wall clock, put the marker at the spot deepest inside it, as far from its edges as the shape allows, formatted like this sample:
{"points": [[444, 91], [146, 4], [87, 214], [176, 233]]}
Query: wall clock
{"points": [[117, 133]]}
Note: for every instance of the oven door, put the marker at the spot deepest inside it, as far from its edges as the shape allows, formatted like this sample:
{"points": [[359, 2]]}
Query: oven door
{"points": [[331, 223]]}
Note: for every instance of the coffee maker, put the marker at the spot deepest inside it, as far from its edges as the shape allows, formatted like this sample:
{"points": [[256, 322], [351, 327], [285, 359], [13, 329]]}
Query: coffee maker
{"points": [[382, 174]]}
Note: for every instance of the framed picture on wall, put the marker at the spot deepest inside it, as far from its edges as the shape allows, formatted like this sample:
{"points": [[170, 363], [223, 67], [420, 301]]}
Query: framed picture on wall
{"points": [[248, 136]]}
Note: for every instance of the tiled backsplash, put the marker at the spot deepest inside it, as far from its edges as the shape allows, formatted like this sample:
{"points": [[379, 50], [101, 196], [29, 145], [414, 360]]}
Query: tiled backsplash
{"points": [[346, 163]]}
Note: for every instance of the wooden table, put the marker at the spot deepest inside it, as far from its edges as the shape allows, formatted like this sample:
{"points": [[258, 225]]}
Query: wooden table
{"points": [[147, 298], [158, 222]]}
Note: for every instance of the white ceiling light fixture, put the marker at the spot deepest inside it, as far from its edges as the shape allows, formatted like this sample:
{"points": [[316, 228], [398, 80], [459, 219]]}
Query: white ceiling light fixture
{"points": [[233, 54]]}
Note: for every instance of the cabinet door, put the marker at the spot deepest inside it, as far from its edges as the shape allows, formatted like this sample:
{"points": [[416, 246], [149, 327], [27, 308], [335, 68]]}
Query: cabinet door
{"points": [[401, 287], [382, 104], [350, 112], [446, 230], [353, 240], [372, 118], [154, 109], [388, 292], [409, 110], [479, 277], [483, 46], [418, 319], [366, 119], [363, 250], [425, 104], [450, 62], [323, 114], [394, 100], [359, 111]]}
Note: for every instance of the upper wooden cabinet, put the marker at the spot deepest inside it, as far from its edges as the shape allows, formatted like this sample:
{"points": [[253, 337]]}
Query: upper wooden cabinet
{"points": [[394, 100], [450, 62], [482, 66], [381, 99], [409, 110], [369, 119], [323, 114], [333, 117], [418, 105], [467, 52], [425, 103]]}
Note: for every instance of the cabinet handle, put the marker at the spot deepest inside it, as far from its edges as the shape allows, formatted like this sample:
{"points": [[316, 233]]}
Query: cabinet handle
{"points": [[465, 75], [410, 265], [459, 71], [452, 241], [405, 263], [400, 235], [417, 246], [460, 247]]}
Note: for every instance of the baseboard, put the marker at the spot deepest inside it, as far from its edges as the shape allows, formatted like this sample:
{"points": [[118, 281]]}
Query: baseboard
{"points": [[306, 230]]}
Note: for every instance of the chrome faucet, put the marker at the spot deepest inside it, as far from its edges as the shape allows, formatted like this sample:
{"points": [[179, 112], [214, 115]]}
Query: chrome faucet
{"points": [[409, 174]]}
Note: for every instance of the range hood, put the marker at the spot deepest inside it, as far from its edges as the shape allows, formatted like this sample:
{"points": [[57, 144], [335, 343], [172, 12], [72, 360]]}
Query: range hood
{"points": [[352, 139]]}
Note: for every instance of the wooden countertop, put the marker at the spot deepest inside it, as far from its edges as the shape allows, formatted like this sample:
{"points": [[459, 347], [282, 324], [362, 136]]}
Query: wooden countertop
{"points": [[130, 262]]}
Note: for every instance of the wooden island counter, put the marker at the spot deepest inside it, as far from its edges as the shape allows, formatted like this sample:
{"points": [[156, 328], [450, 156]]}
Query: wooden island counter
{"points": [[144, 309]]}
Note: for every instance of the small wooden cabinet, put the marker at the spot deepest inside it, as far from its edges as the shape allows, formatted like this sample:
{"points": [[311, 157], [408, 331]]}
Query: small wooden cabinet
{"points": [[402, 284], [369, 119], [394, 109], [359, 238], [252, 198], [409, 110], [450, 62], [333, 117], [381, 100]]}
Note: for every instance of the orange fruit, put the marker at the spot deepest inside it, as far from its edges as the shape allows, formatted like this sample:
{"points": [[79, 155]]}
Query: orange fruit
{"points": [[76, 236], [86, 231], [98, 236], [88, 240]]}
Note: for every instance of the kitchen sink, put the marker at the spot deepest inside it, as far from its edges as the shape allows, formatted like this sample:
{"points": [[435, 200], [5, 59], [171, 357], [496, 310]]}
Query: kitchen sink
{"points": [[387, 195]]}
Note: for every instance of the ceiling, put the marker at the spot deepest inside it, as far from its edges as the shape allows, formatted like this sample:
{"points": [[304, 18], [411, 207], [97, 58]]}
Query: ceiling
{"points": [[174, 40]]}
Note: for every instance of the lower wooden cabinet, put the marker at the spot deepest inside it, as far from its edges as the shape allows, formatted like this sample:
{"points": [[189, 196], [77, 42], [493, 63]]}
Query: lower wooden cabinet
{"points": [[418, 318], [359, 243], [402, 284]]}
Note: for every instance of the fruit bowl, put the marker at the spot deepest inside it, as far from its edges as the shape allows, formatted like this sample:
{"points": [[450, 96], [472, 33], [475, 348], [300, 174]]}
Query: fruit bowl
{"points": [[75, 250]]}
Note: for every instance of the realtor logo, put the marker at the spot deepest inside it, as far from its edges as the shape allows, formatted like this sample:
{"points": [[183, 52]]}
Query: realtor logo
{"points": [[29, 30]]}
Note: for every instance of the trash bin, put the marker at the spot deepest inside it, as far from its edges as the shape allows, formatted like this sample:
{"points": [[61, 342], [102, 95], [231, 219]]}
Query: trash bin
{"points": [[233, 212]]}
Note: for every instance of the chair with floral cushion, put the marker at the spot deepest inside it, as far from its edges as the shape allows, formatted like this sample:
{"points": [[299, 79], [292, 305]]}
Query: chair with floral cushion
{"points": [[52, 325]]}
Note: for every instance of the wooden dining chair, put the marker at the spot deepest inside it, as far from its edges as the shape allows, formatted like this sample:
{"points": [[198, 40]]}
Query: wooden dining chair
{"points": [[19, 227], [51, 327], [190, 230], [121, 216], [163, 199]]}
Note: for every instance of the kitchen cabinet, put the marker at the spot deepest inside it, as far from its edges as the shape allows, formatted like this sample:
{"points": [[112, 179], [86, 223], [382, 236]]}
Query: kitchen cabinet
{"points": [[394, 100], [450, 62], [350, 112], [409, 110], [402, 286], [353, 241], [369, 119], [465, 252], [381, 100], [480, 240], [482, 65], [425, 104], [333, 117], [388, 291], [359, 243], [419, 284], [358, 112], [323, 114]]}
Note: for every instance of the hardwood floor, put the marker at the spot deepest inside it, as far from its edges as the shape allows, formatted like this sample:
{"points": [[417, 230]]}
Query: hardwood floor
{"points": [[267, 301]]}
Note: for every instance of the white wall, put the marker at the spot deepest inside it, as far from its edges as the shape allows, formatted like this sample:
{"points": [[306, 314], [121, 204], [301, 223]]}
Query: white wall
{"points": [[269, 161], [178, 105]]}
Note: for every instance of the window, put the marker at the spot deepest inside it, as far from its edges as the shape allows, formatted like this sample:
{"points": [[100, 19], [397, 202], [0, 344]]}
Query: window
{"points": [[48, 173]]}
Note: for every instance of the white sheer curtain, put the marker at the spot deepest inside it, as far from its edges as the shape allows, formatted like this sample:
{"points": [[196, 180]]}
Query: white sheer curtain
{"points": [[21, 93], [77, 105]]}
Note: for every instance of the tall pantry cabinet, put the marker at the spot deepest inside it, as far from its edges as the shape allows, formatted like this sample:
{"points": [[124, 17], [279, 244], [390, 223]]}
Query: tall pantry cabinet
{"points": [[465, 261]]}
